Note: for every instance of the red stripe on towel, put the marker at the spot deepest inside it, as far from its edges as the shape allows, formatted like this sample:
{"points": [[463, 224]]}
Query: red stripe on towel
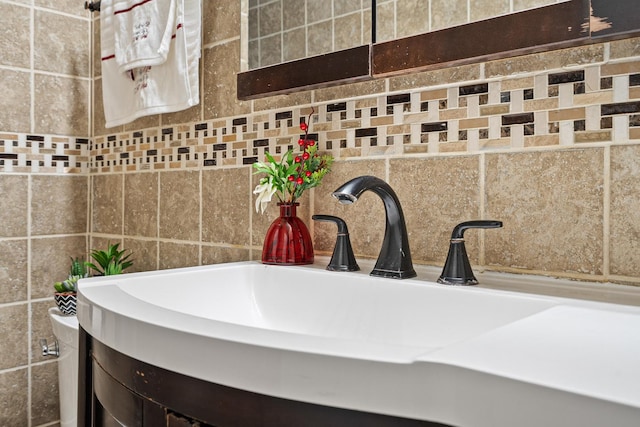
{"points": [[177, 28], [132, 7], [108, 57]]}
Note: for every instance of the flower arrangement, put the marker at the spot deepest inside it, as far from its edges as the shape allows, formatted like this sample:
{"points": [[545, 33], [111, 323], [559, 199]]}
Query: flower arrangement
{"points": [[293, 174]]}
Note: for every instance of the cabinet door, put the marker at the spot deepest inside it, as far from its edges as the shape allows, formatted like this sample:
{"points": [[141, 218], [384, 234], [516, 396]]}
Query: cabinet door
{"points": [[115, 405]]}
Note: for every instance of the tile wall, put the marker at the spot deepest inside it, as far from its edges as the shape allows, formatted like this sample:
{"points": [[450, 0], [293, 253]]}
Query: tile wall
{"points": [[45, 82], [548, 143]]}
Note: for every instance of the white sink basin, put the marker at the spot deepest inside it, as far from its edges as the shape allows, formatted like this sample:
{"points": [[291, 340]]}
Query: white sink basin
{"points": [[410, 348], [353, 307]]}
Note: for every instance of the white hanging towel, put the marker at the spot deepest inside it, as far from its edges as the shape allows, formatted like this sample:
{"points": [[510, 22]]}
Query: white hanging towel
{"points": [[168, 87], [143, 31]]}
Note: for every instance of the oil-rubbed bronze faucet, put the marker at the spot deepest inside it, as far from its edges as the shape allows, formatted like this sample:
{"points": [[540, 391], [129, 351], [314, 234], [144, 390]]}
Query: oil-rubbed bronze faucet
{"points": [[395, 257]]}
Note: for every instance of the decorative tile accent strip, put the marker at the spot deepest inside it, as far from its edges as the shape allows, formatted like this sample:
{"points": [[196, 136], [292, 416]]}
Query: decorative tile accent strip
{"points": [[51, 154]]}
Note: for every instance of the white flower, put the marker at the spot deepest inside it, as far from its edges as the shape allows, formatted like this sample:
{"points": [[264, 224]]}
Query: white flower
{"points": [[264, 190]]}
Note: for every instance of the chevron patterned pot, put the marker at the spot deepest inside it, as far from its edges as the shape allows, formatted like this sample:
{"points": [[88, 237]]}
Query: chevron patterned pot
{"points": [[66, 302]]}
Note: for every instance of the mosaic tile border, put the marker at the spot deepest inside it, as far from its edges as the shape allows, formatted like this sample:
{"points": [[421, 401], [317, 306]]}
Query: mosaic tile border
{"points": [[592, 105], [29, 153]]}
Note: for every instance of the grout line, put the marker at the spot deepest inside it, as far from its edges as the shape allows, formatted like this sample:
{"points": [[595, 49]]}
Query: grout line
{"points": [[482, 206], [606, 215]]}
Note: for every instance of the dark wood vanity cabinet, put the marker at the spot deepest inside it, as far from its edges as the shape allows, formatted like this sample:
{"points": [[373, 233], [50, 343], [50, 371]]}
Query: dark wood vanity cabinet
{"points": [[116, 390]]}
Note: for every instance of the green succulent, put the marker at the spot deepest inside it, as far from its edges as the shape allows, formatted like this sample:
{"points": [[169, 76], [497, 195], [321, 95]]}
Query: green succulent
{"points": [[77, 271], [109, 262]]}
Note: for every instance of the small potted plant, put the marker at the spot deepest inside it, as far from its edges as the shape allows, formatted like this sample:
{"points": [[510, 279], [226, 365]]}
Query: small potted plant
{"points": [[109, 262], [66, 291]]}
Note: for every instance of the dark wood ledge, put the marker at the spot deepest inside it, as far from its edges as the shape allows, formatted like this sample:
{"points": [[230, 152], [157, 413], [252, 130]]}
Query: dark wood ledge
{"points": [[344, 66]]}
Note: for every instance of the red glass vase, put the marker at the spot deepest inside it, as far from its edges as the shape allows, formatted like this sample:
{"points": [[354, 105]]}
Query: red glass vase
{"points": [[288, 241]]}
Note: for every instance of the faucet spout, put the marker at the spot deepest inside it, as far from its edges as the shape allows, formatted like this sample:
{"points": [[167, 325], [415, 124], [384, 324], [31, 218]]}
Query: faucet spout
{"points": [[394, 260]]}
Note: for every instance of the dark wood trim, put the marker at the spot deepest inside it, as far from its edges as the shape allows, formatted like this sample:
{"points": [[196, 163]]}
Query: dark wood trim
{"points": [[560, 24], [344, 66], [227, 406]]}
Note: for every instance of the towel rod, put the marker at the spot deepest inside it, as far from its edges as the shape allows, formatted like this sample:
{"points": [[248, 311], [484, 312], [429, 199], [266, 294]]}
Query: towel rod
{"points": [[93, 6]]}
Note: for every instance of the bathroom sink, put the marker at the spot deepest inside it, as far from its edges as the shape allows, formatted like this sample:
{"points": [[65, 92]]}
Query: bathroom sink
{"points": [[411, 348], [404, 318]]}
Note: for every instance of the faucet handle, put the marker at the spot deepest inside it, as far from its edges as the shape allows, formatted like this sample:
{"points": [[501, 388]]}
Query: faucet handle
{"points": [[457, 269], [458, 230], [342, 258]]}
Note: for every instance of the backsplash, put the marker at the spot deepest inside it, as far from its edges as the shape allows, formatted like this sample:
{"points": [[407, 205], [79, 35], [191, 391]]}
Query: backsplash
{"points": [[548, 150]]}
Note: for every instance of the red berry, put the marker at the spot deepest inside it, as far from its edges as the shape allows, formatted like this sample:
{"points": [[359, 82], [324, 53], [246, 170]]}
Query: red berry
{"points": [[301, 142], [297, 159], [299, 180], [312, 142], [308, 173], [290, 178], [304, 126], [305, 155]]}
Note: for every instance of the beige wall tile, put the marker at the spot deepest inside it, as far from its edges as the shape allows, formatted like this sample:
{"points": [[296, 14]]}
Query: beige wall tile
{"points": [[13, 270], [412, 17], [226, 206], [354, 89], [61, 44], [66, 6], [348, 31], [141, 204], [50, 261], [45, 400], [219, 93], [180, 205], [69, 114], [107, 204], [144, 254], [436, 194], [625, 48], [13, 205], [15, 100], [14, 41], [14, 388], [15, 344], [96, 49], [481, 9], [177, 255], [221, 20], [556, 59], [551, 204], [435, 77], [385, 24], [59, 204], [448, 13], [624, 243], [220, 254]]}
